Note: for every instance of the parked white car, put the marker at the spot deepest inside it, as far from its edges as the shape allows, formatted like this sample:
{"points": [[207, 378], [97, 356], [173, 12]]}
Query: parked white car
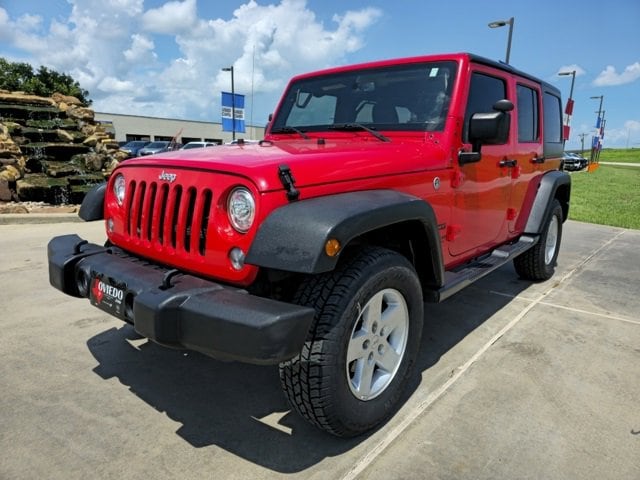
{"points": [[190, 145]]}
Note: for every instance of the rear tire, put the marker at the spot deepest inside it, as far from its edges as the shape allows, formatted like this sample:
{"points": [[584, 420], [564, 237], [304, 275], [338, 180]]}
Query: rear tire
{"points": [[362, 344], [538, 263]]}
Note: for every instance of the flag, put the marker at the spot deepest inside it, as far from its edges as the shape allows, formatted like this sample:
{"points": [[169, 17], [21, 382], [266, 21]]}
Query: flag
{"points": [[569, 109], [566, 124], [228, 106]]}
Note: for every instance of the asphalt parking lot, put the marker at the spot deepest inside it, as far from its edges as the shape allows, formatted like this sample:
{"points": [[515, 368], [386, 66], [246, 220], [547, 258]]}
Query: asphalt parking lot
{"points": [[515, 380]]}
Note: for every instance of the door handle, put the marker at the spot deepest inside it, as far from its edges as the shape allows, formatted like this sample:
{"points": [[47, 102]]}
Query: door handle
{"points": [[508, 163], [538, 160]]}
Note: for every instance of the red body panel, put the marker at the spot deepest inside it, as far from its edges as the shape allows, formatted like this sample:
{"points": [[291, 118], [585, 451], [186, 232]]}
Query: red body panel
{"points": [[478, 205]]}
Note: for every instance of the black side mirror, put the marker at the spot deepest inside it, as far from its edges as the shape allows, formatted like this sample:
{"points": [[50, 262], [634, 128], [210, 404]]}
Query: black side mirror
{"points": [[490, 128]]}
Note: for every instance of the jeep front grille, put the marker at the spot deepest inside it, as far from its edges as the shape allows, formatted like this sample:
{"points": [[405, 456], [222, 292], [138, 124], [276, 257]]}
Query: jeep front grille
{"points": [[169, 216]]}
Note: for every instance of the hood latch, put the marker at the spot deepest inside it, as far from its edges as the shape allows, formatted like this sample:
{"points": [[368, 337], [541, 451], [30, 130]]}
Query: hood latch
{"points": [[288, 182]]}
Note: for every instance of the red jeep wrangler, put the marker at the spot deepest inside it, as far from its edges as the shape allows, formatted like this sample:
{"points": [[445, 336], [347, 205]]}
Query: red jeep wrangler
{"points": [[378, 187]]}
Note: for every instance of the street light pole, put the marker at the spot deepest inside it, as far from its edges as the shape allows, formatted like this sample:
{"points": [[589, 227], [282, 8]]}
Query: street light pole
{"points": [[502, 23], [233, 103], [569, 110], [582, 135], [573, 80]]}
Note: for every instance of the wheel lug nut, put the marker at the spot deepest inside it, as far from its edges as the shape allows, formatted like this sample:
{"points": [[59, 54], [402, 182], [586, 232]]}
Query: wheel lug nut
{"points": [[365, 344]]}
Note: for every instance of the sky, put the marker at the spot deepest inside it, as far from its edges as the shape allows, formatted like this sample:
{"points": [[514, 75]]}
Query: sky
{"points": [[165, 58]]}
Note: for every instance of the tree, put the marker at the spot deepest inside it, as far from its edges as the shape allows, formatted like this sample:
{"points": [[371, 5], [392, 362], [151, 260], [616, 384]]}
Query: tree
{"points": [[44, 82]]}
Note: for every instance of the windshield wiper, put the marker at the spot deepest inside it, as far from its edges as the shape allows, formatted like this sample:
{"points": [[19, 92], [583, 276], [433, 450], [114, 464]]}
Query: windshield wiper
{"points": [[359, 126], [288, 129]]}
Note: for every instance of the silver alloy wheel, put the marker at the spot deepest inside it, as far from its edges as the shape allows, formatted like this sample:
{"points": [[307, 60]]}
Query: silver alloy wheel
{"points": [[551, 242], [377, 344]]}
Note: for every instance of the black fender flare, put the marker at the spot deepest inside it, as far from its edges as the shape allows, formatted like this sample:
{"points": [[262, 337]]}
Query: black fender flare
{"points": [[554, 184], [293, 237], [92, 207]]}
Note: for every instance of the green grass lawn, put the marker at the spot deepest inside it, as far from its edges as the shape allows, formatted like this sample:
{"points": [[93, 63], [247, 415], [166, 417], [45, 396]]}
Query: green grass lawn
{"points": [[608, 196], [626, 155]]}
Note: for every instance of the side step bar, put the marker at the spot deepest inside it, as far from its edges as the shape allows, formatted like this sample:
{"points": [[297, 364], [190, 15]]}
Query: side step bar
{"points": [[458, 279]]}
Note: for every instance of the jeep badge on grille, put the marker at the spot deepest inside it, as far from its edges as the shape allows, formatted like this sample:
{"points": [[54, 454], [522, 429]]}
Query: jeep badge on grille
{"points": [[168, 177]]}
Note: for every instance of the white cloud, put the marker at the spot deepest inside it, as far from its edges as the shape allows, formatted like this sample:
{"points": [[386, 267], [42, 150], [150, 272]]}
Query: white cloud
{"points": [[627, 136], [111, 48], [610, 77], [632, 126], [141, 49], [29, 22], [266, 44], [5, 25], [171, 18], [114, 85], [272, 42]]}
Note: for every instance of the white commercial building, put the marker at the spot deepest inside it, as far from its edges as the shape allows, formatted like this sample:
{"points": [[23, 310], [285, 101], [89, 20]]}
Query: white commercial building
{"points": [[133, 127]]}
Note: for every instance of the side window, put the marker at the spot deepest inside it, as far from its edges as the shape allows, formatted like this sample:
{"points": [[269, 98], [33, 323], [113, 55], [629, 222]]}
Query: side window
{"points": [[484, 92], [552, 124], [527, 114]]}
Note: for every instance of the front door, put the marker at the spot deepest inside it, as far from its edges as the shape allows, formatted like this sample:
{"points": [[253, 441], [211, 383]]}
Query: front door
{"points": [[479, 217]]}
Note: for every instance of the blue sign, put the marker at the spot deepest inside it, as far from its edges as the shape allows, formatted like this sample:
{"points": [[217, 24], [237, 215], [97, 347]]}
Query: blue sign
{"points": [[230, 104]]}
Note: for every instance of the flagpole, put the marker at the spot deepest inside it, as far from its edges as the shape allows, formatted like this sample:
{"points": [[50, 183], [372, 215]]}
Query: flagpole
{"points": [[253, 69], [233, 103]]}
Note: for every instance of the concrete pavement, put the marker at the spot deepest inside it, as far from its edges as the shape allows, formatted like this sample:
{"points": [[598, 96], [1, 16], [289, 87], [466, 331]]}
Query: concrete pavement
{"points": [[514, 380], [620, 164]]}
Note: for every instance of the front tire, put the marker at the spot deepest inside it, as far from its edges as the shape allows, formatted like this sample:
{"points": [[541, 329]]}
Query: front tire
{"points": [[539, 262], [362, 344]]}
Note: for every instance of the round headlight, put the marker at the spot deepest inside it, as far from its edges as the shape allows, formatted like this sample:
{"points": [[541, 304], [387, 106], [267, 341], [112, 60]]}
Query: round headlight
{"points": [[241, 208], [119, 188]]}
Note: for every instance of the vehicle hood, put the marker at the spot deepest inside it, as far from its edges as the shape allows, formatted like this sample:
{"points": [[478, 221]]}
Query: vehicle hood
{"points": [[311, 162]]}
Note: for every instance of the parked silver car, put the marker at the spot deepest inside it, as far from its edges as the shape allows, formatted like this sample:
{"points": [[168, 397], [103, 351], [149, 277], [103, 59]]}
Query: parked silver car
{"points": [[155, 147], [133, 147], [572, 162]]}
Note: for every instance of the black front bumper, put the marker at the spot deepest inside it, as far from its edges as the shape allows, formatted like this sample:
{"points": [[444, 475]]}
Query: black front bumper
{"points": [[180, 310]]}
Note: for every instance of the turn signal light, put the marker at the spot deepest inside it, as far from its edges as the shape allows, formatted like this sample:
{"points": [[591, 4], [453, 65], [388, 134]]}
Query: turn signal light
{"points": [[332, 247]]}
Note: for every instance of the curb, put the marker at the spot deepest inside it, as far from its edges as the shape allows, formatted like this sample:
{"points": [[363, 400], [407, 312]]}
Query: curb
{"points": [[37, 218]]}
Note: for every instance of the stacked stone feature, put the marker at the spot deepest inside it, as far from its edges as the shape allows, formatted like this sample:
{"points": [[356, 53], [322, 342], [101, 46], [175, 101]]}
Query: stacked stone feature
{"points": [[51, 149]]}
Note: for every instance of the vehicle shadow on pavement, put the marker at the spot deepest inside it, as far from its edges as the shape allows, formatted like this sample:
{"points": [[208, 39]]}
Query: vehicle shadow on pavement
{"points": [[234, 406], [448, 323], [241, 408]]}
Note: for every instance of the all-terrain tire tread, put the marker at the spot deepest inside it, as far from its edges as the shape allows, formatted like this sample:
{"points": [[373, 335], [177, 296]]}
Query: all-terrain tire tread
{"points": [[531, 264], [301, 377]]}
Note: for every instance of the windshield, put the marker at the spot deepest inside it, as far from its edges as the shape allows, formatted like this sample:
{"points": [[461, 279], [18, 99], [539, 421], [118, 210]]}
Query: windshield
{"points": [[412, 97], [157, 145]]}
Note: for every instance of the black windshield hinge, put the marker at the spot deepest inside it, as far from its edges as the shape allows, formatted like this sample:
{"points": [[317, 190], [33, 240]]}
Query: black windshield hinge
{"points": [[167, 277], [288, 182]]}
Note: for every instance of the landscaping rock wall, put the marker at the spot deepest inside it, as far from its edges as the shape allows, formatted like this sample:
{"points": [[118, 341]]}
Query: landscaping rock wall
{"points": [[51, 149]]}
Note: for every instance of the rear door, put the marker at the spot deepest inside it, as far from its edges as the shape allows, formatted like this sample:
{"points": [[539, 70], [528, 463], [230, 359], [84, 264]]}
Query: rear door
{"points": [[527, 149]]}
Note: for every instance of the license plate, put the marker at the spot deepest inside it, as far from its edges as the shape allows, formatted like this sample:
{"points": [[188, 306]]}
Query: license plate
{"points": [[108, 296]]}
